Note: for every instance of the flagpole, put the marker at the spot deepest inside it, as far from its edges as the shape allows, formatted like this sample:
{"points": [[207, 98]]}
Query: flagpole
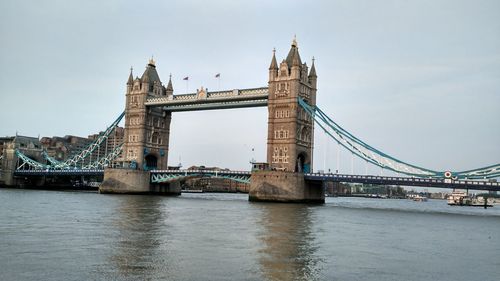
{"points": [[218, 81]]}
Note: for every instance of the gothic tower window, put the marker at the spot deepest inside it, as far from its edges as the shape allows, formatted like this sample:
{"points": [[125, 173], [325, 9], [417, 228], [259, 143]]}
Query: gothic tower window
{"points": [[154, 138]]}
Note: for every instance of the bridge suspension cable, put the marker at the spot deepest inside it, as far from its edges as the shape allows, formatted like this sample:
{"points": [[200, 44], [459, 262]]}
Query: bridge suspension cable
{"points": [[106, 160], [91, 148], [77, 161], [381, 159]]}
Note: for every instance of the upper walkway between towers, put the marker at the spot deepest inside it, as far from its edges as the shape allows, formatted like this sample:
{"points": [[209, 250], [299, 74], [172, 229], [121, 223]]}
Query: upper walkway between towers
{"points": [[204, 100]]}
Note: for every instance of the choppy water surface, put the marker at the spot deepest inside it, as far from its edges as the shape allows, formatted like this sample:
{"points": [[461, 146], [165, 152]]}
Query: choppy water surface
{"points": [[47, 235]]}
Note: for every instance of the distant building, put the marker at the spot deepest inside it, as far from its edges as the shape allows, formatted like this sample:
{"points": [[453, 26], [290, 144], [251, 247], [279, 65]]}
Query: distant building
{"points": [[116, 138], [343, 189], [3, 142], [62, 148], [337, 189], [438, 195], [215, 184], [29, 146]]}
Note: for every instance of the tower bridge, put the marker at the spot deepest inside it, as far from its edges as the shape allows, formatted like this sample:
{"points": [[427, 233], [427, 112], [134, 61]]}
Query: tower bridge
{"points": [[140, 165], [148, 114]]}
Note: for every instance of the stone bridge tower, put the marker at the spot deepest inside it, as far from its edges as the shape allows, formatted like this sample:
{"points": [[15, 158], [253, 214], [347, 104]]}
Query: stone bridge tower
{"points": [[290, 129], [147, 130], [290, 135]]}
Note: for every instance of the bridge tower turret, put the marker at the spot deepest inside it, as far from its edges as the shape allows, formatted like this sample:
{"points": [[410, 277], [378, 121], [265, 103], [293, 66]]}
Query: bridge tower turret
{"points": [[290, 129], [146, 129]]}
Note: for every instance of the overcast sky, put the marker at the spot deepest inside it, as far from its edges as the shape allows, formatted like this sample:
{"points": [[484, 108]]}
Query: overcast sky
{"points": [[419, 80]]}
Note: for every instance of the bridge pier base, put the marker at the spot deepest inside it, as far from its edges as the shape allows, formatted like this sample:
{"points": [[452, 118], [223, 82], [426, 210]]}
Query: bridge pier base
{"points": [[279, 186], [128, 181]]}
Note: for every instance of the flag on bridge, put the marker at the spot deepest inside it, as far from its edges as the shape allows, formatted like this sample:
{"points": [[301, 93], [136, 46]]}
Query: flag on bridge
{"points": [[217, 75], [186, 78]]}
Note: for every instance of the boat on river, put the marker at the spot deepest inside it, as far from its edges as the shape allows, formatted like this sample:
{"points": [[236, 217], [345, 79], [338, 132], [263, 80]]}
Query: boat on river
{"points": [[460, 198], [419, 198], [192, 191]]}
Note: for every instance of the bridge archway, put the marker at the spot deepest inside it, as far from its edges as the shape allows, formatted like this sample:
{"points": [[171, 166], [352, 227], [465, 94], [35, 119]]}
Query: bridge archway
{"points": [[151, 162], [301, 166]]}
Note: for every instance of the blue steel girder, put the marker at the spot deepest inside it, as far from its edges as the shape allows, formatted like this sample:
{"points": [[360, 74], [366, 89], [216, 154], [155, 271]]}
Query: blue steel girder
{"points": [[158, 176], [241, 179], [66, 172], [98, 164], [51, 160], [106, 160], [163, 178], [78, 159], [405, 181], [32, 164]]}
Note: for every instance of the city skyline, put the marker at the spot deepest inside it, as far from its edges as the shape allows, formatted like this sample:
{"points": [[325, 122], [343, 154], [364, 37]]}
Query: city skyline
{"points": [[417, 80]]}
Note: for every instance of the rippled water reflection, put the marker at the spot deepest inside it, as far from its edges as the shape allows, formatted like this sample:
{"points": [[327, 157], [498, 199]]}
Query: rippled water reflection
{"points": [[86, 236]]}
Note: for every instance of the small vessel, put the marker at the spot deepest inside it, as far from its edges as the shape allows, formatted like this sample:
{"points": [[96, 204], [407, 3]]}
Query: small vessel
{"points": [[419, 198], [192, 191], [460, 198]]}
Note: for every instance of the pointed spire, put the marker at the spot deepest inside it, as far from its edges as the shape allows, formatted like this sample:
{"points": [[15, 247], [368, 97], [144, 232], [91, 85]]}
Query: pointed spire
{"points": [[274, 64], [296, 59], [312, 72], [130, 77], [170, 88], [293, 58], [150, 75], [145, 78]]}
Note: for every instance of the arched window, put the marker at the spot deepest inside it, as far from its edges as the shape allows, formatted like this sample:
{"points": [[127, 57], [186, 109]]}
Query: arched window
{"points": [[155, 138]]}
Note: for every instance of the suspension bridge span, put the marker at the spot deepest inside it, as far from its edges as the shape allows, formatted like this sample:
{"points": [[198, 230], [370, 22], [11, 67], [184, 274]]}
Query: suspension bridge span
{"points": [[168, 176], [139, 164]]}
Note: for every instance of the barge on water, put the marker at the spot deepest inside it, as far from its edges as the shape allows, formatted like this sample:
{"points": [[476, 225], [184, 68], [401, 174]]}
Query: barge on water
{"points": [[460, 198]]}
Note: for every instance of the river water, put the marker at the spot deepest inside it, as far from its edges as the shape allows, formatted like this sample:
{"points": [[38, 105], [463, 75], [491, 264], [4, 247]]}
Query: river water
{"points": [[50, 235]]}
